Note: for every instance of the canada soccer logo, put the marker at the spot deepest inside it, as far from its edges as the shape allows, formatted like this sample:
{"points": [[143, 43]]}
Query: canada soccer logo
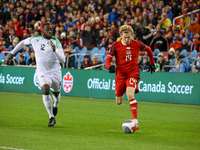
{"points": [[36, 82], [67, 82]]}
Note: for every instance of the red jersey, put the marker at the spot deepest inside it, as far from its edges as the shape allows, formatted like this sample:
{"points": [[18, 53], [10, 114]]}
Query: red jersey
{"points": [[127, 58]]}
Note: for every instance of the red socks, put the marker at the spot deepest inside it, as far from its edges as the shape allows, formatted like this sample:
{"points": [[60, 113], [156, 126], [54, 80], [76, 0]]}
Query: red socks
{"points": [[133, 107]]}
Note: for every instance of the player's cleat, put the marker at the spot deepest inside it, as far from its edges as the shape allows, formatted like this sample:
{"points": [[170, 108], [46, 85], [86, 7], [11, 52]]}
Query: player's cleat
{"points": [[52, 121], [137, 127], [55, 111]]}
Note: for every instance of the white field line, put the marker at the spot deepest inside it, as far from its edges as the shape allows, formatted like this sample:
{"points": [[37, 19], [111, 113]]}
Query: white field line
{"points": [[3, 147]]}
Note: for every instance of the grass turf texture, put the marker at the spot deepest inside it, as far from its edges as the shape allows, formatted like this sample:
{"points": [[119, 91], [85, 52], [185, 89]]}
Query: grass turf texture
{"points": [[84, 123]]}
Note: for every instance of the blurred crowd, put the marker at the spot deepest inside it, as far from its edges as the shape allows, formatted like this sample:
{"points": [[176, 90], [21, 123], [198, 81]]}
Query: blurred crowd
{"points": [[95, 23]]}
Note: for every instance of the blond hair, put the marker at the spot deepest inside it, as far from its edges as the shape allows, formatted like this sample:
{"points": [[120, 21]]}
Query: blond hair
{"points": [[125, 28]]}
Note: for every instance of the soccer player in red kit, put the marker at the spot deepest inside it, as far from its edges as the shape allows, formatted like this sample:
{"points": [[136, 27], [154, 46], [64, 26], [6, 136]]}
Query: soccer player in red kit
{"points": [[127, 71]]}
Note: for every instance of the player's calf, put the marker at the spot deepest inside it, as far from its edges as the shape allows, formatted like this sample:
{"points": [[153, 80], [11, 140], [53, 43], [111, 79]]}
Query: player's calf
{"points": [[133, 108]]}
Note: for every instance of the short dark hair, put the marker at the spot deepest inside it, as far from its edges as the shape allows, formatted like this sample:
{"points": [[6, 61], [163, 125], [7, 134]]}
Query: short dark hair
{"points": [[46, 23]]}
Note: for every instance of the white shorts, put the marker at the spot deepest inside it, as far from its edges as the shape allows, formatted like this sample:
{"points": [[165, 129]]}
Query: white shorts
{"points": [[53, 79]]}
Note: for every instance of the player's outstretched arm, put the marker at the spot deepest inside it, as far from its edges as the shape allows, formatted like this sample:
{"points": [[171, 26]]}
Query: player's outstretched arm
{"points": [[111, 68], [111, 53], [10, 57], [152, 63], [19, 46]]}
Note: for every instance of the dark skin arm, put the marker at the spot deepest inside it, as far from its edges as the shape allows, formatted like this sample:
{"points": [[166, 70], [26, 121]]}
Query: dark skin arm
{"points": [[10, 57]]}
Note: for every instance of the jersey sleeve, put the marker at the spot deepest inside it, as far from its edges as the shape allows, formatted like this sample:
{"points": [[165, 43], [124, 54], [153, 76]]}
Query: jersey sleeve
{"points": [[20, 45], [112, 50], [146, 48], [58, 44], [59, 51], [110, 54], [27, 41], [142, 46]]}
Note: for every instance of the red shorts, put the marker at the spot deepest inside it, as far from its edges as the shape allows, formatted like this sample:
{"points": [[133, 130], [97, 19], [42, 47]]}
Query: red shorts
{"points": [[122, 84]]}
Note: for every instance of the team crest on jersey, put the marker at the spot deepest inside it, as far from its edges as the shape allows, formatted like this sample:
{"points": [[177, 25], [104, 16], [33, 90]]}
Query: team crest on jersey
{"points": [[36, 81], [67, 82], [128, 52], [42, 76], [48, 42]]}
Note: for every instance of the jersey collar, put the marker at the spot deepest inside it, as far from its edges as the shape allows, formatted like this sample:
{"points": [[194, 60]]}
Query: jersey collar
{"points": [[124, 43]]}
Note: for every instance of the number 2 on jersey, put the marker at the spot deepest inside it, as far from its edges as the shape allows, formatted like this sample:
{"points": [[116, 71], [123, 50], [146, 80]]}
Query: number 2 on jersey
{"points": [[42, 47]]}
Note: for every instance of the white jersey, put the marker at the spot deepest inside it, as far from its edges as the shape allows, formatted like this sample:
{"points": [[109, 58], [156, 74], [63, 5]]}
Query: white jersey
{"points": [[47, 60]]}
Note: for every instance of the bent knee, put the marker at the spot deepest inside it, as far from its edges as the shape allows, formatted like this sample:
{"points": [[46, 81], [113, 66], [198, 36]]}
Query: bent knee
{"points": [[56, 94], [130, 97], [45, 89], [118, 102]]}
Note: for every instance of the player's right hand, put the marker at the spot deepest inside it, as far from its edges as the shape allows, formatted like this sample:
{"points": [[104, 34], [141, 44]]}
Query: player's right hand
{"points": [[10, 57], [152, 68], [111, 69]]}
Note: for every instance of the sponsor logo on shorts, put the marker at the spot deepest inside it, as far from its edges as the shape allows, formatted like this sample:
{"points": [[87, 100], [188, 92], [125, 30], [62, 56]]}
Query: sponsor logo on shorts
{"points": [[67, 82], [36, 81]]}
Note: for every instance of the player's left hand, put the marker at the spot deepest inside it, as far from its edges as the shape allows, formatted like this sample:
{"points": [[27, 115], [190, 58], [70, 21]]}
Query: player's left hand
{"points": [[152, 68], [111, 69], [53, 47]]}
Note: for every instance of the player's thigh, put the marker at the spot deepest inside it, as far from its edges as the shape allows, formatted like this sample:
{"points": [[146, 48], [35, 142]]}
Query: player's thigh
{"points": [[130, 92], [56, 81], [120, 89], [132, 88], [43, 79]]}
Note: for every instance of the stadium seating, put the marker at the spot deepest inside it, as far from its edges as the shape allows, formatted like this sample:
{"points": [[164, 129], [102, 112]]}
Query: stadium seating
{"points": [[184, 52], [102, 53], [76, 62], [193, 55], [94, 51], [17, 57], [26, 58], [2, 56], [76, 49], [82, 52], [187, 69], [173, 62], [7, 55], [156, 52], [105, 59]]}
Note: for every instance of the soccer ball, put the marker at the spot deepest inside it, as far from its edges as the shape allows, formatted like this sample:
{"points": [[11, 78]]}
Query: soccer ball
{"points": [[129, 126]]}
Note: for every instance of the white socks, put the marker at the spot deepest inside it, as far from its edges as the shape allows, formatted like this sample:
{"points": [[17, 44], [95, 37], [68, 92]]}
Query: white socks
{"points": [[136, 121], [56, 100], [48, 104]]}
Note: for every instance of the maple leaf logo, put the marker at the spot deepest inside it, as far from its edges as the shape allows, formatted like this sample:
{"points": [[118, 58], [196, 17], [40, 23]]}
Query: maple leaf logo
{"points": [[67, 82]]}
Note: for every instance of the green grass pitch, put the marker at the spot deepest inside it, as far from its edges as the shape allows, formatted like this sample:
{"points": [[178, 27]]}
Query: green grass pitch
{"points": [[92, 124]]}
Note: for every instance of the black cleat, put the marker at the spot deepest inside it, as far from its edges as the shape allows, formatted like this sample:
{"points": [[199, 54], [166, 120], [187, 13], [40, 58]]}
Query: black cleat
{"points": [[55, 111], [52, 121]]}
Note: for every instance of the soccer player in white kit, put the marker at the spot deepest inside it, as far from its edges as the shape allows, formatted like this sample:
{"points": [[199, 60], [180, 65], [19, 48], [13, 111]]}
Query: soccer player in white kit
{"points": [[49, 53]]}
